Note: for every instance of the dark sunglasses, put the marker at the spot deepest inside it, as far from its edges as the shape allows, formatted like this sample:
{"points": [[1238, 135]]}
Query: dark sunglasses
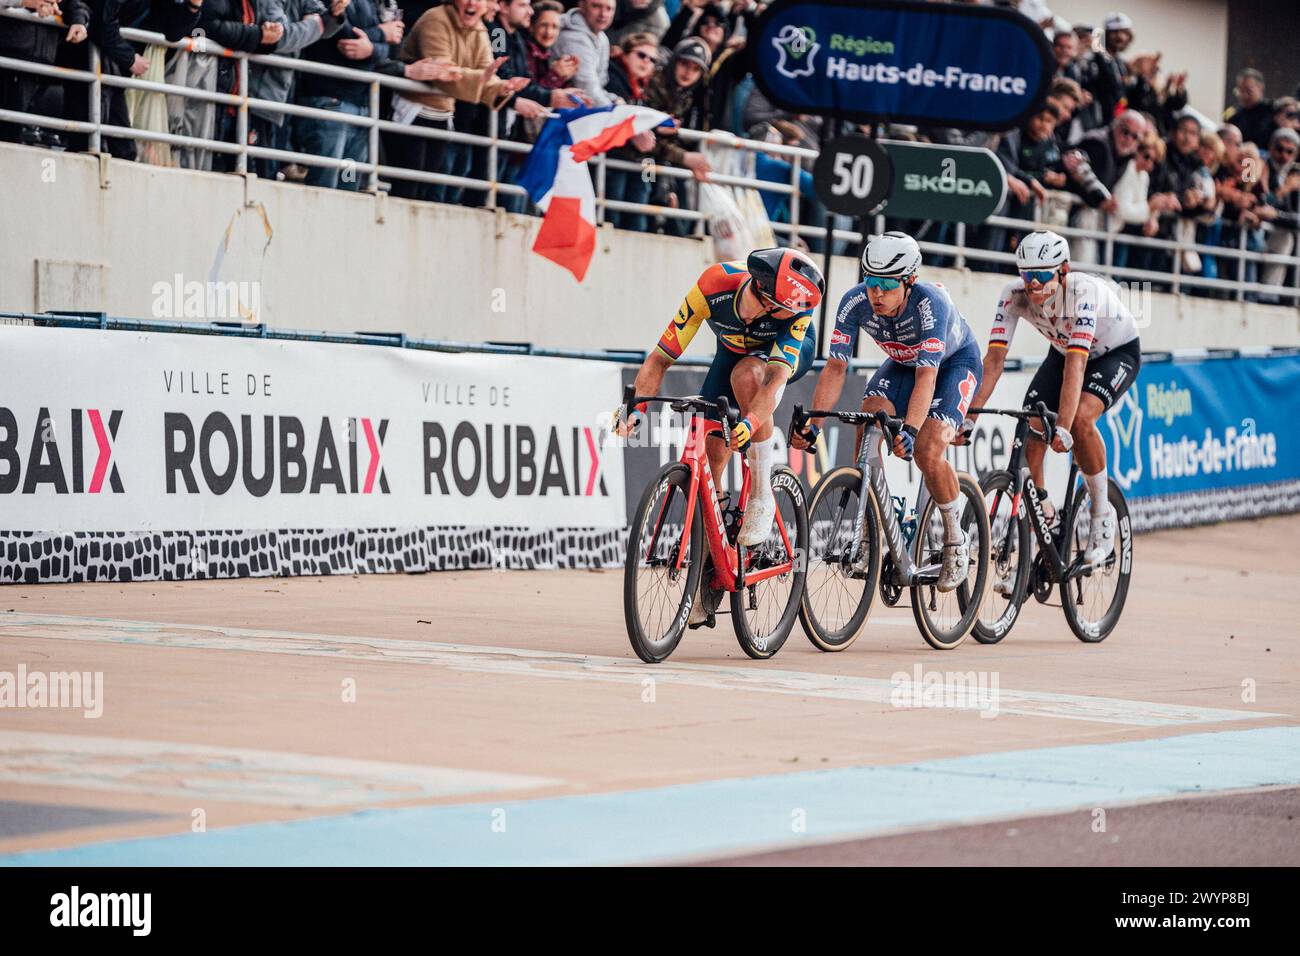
{"points": [[642, 55], [1291, 114], [1041, 276], [1284, 150]]}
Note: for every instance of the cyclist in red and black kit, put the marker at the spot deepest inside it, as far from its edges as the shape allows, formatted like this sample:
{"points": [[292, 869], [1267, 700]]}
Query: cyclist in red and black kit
{"points": [[761, 312]]}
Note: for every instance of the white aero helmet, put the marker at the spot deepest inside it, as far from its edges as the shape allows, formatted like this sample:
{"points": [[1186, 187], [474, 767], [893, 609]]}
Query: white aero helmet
{"points": [[1041, 250], [891, 255]]}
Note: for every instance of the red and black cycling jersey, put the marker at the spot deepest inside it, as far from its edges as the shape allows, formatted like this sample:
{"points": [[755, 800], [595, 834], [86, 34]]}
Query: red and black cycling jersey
{"points": [[713, 300]]}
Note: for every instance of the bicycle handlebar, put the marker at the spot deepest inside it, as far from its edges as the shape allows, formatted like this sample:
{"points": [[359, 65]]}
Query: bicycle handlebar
{"points": [[721, 407], [890, 426], [1038, 410]]}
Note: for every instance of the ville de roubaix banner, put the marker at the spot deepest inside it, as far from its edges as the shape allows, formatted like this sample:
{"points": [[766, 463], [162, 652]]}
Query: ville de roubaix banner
{"points": [[128, 456]]}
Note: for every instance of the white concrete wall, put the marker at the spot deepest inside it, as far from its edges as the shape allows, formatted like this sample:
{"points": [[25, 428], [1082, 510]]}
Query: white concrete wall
{"points": [[1192, 35], [348, 262]]}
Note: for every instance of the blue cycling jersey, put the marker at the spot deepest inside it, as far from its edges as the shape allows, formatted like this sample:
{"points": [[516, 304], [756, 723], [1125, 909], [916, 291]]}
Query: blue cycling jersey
{"points": [[927, 332]]}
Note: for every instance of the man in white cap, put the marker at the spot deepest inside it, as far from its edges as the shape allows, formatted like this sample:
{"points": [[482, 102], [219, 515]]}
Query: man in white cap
{"points": [[1106, 69]]}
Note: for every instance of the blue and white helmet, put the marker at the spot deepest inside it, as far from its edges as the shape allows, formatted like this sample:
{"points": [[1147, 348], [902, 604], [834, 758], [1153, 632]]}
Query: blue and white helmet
{"points": [[1042, 250]]}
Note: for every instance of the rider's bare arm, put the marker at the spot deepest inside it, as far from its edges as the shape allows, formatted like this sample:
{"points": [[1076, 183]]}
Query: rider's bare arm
{"points": [[922, 394], [1071, 387], [829, 385], [652, 372], [995, 360]]}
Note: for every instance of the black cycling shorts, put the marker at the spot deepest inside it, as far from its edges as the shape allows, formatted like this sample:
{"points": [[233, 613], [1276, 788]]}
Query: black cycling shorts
{"points": [[1106, 376]]}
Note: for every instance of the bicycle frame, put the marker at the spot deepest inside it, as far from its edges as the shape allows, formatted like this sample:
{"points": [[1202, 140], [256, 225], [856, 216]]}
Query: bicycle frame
{"points": [[1024, 486], [872, 464], [728, 573]]}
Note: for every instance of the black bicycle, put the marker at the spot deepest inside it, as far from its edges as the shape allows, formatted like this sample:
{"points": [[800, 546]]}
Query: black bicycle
{"points": [[1091, 596], [859, 546]]}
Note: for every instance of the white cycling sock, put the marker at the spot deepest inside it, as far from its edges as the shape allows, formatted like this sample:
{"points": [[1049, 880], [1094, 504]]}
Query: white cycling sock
{"points": [[950, 511], [1099, 491], [760, 470]]}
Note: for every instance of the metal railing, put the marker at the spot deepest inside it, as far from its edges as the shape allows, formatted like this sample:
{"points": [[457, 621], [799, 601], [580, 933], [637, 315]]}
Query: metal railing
{"points": [[104, 322], [960, 252]]}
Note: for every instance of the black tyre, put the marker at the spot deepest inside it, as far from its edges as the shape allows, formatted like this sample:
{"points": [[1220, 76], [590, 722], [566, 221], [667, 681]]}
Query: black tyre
{"points": [[763, 613], [1009, 560], [947, 619], [837, 599], [657, 592], [1094, 600]]}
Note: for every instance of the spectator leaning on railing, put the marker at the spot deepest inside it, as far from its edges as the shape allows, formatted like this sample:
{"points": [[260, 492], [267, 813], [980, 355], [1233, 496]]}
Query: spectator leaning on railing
{"points": [[508, 34], [1094, 167], [630, 73], [38, 43], [582, 34], [680, 91], [1283, 201], [454, 36], [363, 43], [304, 23]]}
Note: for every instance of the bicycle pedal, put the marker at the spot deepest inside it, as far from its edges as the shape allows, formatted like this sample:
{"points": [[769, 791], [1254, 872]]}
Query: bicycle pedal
{"points": [[709, 621]]}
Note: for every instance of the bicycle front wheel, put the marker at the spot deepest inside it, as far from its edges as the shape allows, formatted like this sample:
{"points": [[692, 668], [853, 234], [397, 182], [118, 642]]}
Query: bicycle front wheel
{"points": [[839, 592], [763, 612], [1009, 554], [662, 572], [1094, 599], [945, 619]]}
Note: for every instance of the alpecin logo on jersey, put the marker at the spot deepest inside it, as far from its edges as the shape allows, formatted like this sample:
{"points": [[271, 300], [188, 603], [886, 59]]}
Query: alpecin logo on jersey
{"points": [[909, 353], [839, 338], [89, 430]]}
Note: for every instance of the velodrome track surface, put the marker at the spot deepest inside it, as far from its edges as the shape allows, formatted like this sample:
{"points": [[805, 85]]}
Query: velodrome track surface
{"points": [[501, 718]]}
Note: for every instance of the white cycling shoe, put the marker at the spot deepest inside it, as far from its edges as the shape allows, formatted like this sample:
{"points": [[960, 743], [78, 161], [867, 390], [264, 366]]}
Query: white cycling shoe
{"points": [[758, 521], [956, 564], [1101, 538]]}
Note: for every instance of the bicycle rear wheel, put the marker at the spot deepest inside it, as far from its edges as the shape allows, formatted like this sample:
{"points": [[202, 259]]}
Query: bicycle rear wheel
{"points": [[1094, 600], [837, 599], [946, 619], [763, 613], [1009, 554], [659, 581]]}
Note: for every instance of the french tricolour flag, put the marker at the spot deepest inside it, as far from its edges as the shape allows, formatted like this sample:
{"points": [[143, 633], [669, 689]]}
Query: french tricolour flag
{"points": [[558, 182]]}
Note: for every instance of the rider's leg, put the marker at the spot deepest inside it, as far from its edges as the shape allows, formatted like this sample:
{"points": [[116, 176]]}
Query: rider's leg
{"points": [[1090, 450], [940, 477], [746, 380]]}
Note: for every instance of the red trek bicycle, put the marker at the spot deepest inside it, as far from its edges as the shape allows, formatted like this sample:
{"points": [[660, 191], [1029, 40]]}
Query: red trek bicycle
{"points": [[665, 556]]}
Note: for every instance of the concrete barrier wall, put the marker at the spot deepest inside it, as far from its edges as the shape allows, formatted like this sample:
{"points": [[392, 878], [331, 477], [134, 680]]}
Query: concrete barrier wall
{"points": [[119, 238]]}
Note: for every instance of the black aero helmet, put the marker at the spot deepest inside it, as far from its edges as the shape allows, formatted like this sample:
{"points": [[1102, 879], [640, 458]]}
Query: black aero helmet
{"points": [[787, 277]]}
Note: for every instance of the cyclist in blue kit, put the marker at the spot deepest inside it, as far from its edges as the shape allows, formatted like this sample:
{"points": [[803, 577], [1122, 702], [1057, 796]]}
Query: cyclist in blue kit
{"points": [[929, 378]]}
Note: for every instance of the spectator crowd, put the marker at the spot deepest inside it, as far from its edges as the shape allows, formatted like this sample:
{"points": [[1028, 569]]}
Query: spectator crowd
{"points": [[1116, 147]]}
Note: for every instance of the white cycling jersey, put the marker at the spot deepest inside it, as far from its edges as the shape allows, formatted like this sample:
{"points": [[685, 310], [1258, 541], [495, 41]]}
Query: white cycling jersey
{"points": [[1087, 316]]}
